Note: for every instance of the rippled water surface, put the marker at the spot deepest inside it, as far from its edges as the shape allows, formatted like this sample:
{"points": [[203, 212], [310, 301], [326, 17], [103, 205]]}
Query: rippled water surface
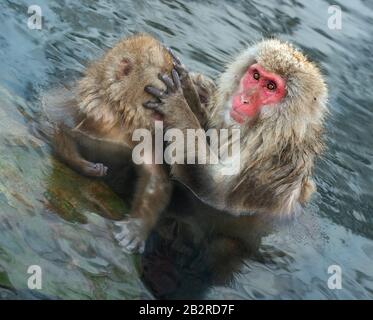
{"points": [[51, 217]]}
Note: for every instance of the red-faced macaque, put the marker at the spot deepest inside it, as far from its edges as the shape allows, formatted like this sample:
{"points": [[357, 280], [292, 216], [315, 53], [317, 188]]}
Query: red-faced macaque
{"points": [[277, 99], [93, 124]]}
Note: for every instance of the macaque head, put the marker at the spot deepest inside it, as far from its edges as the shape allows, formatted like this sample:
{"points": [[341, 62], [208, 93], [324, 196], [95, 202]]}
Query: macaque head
{"points": [[270, 79], [258, 87]]}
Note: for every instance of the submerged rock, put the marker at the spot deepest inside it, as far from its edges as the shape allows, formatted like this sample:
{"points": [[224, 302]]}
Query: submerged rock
{"points": [[55, 218]]}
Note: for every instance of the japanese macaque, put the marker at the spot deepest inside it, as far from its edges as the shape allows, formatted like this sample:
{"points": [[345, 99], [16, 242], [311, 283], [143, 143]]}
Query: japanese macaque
{"points": [[93, 124], [277, 99]]}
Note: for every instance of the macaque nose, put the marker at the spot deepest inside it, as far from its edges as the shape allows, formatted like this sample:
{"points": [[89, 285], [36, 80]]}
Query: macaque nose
{"points": [[249, 96]]}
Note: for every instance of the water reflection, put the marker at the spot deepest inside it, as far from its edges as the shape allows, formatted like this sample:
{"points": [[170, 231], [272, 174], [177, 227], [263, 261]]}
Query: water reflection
{"points": [[195, 247]]}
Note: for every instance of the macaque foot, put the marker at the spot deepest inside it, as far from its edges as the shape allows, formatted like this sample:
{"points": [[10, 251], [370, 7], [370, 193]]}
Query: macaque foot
{"points": [[131, 235], [95, 169]]}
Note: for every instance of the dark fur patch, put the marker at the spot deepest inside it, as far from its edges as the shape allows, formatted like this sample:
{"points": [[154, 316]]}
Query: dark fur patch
{"points": [[124, 69]]}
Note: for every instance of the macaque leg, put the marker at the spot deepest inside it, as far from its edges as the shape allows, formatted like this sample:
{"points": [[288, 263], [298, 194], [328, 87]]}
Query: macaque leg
{"points": [[67, 150], [152, 195]]}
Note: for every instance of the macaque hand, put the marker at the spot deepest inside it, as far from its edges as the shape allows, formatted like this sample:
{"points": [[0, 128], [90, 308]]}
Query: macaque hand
{"points": [[180, 68], [171, 103]]}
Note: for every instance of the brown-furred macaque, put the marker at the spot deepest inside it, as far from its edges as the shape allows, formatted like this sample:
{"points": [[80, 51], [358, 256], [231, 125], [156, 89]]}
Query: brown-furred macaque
{"points": [[277, 99], [93, 124]]}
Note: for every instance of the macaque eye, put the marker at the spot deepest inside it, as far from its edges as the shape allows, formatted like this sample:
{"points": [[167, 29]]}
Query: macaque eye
{"points": [[271, 85], [256, 75]]}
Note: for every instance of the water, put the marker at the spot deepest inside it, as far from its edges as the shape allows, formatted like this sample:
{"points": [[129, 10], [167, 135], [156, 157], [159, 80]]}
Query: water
{"points": [[53, 218]]}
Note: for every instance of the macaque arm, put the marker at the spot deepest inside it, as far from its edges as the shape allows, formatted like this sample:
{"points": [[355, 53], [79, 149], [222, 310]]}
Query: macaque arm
{"points": [[153, 192], [189, 90], [192, 98], [202, 178]]}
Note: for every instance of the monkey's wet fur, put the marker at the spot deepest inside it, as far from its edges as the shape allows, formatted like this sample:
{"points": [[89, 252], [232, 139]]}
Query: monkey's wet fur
{"points": [[271, 92]]}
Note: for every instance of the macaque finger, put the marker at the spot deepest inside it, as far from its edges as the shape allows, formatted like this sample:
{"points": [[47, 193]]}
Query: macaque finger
{"points": [[174, 56], [153, 105], [155, 92], [179, 66], [176, 79], [181, 69], [168, 82]]}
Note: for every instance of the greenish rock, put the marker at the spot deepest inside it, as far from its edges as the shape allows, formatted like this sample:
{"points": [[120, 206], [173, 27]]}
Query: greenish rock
{"points": [[52, 217]]}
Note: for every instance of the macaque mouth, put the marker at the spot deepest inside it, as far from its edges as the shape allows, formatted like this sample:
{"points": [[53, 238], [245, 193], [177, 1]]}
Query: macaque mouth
{"points": [[257, 88], [236, 116]]}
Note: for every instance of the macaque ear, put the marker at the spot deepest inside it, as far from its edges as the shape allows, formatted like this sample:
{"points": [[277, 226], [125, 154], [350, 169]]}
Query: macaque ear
{"points": [[124, 68]]}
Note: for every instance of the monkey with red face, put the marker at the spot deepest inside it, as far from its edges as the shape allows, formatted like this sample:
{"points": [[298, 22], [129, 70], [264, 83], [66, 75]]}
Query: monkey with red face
{"points": [[277, 99]]}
